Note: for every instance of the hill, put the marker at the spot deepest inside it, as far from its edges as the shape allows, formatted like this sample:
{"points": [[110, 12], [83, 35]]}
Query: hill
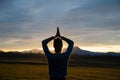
{"points": [[78, 51]]}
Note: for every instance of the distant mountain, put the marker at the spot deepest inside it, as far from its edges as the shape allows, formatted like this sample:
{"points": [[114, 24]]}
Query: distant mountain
{"points": [[1, 51], [33, 51], [78, 51]]}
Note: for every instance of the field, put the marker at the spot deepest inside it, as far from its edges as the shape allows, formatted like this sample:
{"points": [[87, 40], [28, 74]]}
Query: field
{"points": [[33, 70]]}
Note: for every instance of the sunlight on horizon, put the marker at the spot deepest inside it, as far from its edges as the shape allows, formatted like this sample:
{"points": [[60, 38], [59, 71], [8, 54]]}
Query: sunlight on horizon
{"points": [[102, 48], [92, 48]]}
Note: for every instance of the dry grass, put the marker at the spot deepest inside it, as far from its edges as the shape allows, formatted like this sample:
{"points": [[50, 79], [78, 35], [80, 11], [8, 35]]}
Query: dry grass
{"points": [[40, 72]]}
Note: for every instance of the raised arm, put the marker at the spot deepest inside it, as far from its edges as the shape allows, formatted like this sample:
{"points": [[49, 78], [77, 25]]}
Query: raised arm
{"points": [[44, 45], [70, 45]]}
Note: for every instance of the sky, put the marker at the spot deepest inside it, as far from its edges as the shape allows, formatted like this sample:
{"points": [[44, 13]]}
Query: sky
{"points": [[92, 24]]}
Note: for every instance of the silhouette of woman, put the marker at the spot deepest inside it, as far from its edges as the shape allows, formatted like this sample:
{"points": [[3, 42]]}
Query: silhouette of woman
{"points": [[57, 62]]}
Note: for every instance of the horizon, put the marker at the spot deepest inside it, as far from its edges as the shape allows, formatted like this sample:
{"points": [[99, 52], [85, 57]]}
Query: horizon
{"points": [[93, 25], [52, 49]]}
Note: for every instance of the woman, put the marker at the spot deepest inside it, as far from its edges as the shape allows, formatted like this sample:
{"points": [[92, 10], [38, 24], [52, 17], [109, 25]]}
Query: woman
{"points": [[57, 62]]}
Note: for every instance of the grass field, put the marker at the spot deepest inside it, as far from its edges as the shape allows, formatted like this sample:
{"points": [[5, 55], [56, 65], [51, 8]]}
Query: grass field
{"points": [[40, 72]]}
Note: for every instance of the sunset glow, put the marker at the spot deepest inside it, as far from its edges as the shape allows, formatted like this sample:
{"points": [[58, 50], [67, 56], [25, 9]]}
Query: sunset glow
{"points": [[93, 25]]}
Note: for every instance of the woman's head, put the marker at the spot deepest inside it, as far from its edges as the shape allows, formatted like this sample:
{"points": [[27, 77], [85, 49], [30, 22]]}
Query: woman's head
{"points": [[58, 45]]}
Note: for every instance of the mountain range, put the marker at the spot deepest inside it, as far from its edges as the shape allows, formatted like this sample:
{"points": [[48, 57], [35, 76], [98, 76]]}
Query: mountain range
{"points": [[76, 51]]}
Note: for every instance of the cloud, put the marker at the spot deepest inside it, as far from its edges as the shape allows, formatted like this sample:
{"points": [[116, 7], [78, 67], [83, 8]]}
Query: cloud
{"points": [[95, 13], [87, 22], [18, 18], [94, 22], [5, 3], [23, 21]]}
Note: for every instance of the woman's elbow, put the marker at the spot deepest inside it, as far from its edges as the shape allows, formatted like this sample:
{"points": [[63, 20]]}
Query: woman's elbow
{"points": [[71, 43], [43, 42]]}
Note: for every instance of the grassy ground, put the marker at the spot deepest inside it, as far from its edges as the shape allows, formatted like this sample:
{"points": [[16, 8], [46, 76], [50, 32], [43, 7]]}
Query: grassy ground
{"points": [[40, 72]]}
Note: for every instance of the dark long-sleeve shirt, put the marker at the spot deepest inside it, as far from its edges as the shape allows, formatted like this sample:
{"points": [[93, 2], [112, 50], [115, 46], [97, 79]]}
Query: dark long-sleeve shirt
{"points": [[57, 62]]}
